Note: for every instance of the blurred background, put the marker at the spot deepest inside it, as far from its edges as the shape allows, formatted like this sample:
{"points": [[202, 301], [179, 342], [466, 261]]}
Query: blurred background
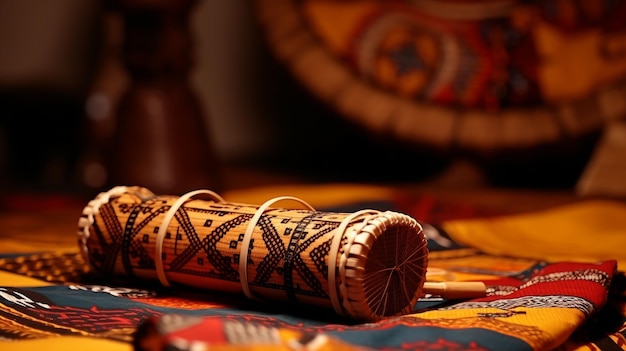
{"points": [[65, 70]]}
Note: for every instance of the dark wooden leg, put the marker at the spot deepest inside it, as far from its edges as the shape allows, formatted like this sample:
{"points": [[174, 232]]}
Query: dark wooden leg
{"points": [[161, 140]]}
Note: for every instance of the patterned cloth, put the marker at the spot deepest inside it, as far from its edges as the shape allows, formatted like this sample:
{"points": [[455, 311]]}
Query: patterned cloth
{"points": [[538, 298]]}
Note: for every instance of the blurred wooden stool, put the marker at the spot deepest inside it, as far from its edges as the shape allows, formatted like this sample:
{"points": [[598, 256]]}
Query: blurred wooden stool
{"points": [[161, 139]]}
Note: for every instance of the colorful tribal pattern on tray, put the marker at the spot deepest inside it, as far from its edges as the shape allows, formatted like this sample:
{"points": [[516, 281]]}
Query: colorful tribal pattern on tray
{"points": [[482, 75], [52, 300]]}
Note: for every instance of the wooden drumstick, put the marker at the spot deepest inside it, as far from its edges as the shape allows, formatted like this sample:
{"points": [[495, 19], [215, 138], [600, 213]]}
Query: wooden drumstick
{"points": [[455, 290]]}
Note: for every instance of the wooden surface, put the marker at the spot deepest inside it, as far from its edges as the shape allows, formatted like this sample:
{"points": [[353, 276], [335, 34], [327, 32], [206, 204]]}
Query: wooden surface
{"points": [[51, 221]]}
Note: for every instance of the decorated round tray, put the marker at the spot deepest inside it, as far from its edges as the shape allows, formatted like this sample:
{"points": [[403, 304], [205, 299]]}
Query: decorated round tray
{"points": [[479, 76]]}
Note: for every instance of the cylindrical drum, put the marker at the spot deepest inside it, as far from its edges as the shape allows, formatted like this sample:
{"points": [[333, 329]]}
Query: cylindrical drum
{"points": [[365, 265]]}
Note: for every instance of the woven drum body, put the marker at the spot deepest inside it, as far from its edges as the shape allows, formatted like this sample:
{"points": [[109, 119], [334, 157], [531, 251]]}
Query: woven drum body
{"points": [[366, 265]]}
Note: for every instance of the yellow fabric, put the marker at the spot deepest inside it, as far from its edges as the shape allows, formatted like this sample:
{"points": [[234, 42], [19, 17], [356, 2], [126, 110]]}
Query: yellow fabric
{"points": [[14, 246], [536, 326], [17, 280], [587, 231], [66, 343], [590, 230]]}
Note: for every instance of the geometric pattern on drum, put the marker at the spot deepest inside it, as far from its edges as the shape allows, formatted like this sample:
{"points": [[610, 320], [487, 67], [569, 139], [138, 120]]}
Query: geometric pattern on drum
{"points": [[134, 248], [291, 256], [276, 251], [121, 240], [302, 268], [110, 249], [208, 244]]}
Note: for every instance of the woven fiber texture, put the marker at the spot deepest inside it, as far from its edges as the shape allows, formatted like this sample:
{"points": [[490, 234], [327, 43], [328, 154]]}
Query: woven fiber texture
{"points": [[365, 265]]}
